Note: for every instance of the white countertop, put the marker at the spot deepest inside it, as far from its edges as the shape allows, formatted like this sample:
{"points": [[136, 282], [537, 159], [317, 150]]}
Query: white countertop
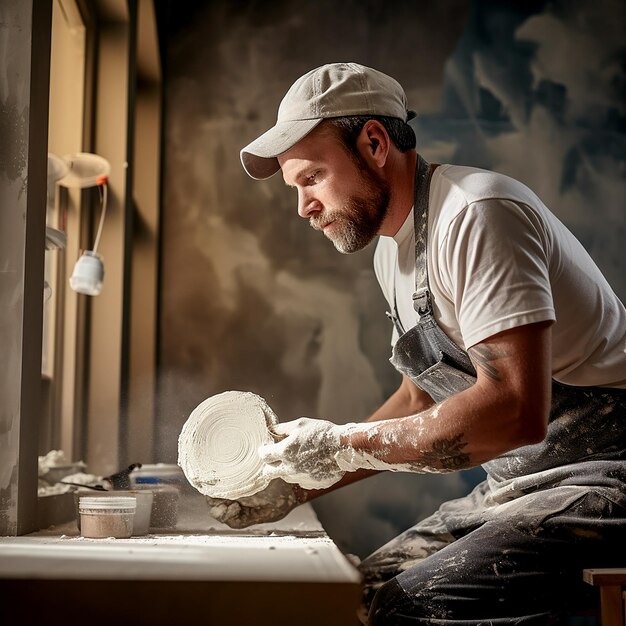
{"points": [[295, 549], [200, 574]]}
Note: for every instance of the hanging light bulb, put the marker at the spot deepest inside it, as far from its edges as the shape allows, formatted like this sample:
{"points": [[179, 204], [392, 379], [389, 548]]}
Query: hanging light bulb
{"points": [[89, 170], [88, 274]]}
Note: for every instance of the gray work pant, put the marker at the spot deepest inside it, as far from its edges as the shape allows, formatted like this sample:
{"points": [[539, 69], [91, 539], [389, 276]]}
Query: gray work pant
{"points": [[505, 571]]}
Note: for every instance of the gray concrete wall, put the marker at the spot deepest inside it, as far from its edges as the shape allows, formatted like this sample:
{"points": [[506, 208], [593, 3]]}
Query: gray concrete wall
{"points": [[24, 76], [253, 299]]}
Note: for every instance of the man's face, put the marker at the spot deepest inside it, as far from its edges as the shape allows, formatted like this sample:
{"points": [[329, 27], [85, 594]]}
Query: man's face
{"points": [[341, 195]]}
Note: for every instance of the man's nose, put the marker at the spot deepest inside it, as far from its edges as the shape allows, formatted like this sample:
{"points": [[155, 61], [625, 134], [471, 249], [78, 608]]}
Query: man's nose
{"points": [[308, 205]]}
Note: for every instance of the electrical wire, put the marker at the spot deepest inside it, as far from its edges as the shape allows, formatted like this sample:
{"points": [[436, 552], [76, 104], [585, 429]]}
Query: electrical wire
{"points": [[103, 190]]}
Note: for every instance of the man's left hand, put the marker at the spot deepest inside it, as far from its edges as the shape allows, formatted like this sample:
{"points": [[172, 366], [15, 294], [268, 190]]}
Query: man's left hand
{"points": [[269, 505]]}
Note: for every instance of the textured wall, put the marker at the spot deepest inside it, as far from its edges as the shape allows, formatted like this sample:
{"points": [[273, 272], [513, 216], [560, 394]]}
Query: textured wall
{"points": [[253, 299], [24, 79]]}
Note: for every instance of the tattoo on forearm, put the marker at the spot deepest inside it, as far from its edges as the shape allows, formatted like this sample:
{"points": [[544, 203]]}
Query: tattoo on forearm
{"points": [[448, 454], [481, 356]]}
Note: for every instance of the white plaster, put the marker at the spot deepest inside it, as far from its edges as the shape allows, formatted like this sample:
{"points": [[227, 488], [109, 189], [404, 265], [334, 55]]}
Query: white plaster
{"points": [[218, 447]]}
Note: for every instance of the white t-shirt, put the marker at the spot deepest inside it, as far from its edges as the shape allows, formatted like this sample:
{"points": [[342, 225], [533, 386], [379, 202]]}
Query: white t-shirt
{"points": [[498, 259]]}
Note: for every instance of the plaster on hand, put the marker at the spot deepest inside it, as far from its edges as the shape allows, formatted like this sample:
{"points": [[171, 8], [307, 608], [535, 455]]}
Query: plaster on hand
{"points": [[307, 454], [269, 505]]}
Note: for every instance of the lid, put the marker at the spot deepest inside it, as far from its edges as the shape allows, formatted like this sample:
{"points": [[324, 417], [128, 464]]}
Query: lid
{"points": [[57, 168], [85, 170], [108, 503], [158, 470]]}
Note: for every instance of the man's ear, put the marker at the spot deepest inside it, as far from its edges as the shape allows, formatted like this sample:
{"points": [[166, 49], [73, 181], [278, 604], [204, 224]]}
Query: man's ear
{"points": [[373, 143]]}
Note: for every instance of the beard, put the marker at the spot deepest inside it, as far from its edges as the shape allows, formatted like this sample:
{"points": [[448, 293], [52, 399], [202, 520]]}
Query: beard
{"points": [[357, 223]]}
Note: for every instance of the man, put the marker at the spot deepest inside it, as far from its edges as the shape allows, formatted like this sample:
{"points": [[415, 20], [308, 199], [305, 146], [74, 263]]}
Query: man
{"points": [[512, 348]]}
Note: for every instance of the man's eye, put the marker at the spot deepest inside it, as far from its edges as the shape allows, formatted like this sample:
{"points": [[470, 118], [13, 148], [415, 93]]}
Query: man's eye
{"points": [[312, 177]]}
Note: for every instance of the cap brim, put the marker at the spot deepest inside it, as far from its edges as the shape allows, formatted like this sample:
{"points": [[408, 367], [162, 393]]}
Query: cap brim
{"points": [[259, 157]]}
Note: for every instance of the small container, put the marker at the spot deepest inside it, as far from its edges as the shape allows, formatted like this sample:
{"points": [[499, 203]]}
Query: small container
{"points": [[143, 512], [159, 474], [165, 507], [141, 522], [168, 483], [107, 517]]}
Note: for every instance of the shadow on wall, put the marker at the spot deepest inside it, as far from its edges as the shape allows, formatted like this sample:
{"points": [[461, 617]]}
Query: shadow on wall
{"points": [[539, 94], [253, 299]]}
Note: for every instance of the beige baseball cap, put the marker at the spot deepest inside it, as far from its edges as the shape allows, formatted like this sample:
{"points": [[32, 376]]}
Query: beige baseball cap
{"points": [[333, 90]]}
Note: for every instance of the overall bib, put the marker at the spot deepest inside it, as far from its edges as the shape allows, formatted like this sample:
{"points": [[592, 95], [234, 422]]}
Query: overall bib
{"points": [[513, 550]]}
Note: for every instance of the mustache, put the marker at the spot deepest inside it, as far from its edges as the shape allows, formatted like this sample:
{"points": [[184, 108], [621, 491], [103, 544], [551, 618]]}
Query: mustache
{"points": [[319, 222]]}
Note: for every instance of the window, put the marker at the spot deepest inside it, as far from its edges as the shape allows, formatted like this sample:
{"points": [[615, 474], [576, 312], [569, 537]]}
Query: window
{"points": [[96, 357], [64, 313]]}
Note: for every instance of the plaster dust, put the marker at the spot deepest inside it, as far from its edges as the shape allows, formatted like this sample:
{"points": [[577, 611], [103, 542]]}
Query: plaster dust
{"points": [[54, 458], [406, 433], [316, 453], [269, 541], [218, 447], [55, 472]]}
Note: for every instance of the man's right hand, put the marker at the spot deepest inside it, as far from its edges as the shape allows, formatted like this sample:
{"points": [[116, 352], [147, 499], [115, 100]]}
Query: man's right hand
{"points": [[269, 505]]}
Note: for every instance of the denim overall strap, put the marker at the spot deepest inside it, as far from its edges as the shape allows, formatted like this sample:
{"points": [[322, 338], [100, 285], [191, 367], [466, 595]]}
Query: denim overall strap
{"points": [[425, 353], [421, 192]]}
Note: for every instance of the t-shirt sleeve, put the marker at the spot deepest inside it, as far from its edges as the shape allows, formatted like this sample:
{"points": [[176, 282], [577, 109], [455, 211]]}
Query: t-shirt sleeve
{"points": [[496, 267]]}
